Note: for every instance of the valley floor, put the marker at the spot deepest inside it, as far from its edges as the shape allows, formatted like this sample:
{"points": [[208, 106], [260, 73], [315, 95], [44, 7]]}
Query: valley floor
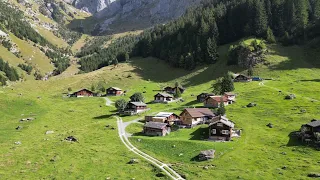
{"points": [[261, 152]]}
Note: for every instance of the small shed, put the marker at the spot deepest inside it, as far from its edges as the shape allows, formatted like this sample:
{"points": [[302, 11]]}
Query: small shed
{"points": [[134, 108], [163, 98], [214, 101], [114, 91], [201, 97], [206, 155], [156, 129], [242, 78]]}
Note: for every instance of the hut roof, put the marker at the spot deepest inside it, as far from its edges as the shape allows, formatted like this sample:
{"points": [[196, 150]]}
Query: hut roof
{"points": [[155, 125], [314, 123], [199, 112], [138, 103]]}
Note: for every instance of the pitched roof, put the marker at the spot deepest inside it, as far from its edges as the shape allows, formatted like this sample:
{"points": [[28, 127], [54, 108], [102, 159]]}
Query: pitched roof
{"points": [[223, 120], [199, 112], [314, 123], [116, 88], [138, 103], [155, 125], [164, 114], [82, 90], [241, 75], [164, 94], [229, 94], [218, 98], [207, 94]]}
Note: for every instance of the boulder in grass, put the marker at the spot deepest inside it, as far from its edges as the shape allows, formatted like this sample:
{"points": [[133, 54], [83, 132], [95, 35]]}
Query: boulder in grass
{"points": [[270, 125], [71, 139], [19, 127], [252, 105], [314, 175], [290, 97], [206, 155], [49, 132], [133, 161]]}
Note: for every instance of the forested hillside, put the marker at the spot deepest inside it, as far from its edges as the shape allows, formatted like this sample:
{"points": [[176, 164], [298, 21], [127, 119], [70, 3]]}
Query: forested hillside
{"points": [[193, 39]]}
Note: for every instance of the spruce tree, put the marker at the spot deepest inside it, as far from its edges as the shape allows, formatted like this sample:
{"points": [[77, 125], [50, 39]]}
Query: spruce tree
{"points": [[221, 110], [260, 19], [316, 9], [302, 13], [270, 37], [189, 62], [178, 93], [137, 97], [212, 54], [227, 84]]}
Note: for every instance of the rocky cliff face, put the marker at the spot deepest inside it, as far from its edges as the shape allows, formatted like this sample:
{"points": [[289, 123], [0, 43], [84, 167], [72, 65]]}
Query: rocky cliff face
{"points": [[91, 6], [138, 14]]}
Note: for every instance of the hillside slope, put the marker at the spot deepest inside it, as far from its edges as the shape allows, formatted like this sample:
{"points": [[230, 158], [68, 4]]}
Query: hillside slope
{"points": [[264, 151]]}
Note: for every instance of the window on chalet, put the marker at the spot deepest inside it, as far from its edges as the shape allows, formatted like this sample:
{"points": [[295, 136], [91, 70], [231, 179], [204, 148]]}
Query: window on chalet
{"points": [[213, 131], [225, 131]]}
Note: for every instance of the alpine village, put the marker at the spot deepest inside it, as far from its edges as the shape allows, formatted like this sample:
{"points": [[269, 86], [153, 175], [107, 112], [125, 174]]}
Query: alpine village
{"points": [[160, 89]]}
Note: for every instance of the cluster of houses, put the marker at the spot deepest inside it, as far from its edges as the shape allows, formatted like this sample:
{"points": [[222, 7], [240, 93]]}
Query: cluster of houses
{"points": [[112, 91], [220, 128]]}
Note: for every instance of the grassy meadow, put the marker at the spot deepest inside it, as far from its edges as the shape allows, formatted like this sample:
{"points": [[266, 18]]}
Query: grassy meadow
{"points": [[261, 152]]}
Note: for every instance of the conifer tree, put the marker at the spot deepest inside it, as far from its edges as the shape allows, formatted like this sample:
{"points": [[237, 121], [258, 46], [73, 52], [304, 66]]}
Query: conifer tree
{"points": [[227, 84], [270, 37], [221, 110], [212, 54], [316, 9], [178, 93], [261, 19]]}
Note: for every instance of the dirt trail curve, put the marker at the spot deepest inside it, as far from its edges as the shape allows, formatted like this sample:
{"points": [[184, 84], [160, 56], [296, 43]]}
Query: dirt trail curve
{"points": [[108, 101], [308, 98], [124, 138]]}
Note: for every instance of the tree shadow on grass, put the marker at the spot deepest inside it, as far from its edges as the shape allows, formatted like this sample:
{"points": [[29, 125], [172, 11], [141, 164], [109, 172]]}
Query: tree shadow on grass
{"points": [[104, 116], [311, 80], [201, 133], [193, 103]]}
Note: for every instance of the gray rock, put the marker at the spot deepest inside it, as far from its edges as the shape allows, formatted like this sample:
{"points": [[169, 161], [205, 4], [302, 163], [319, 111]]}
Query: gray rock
{"points": [[19, 127], [49, 132], [133, 161], [17, 143]]}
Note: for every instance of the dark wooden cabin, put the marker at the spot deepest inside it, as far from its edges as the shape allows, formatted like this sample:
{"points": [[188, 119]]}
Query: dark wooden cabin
{"points": [[135, 108], [242, 78], [312, 127], [163, 98], [202, 97], [221, 129], [156, 129], [82, 93], [114, 91]]}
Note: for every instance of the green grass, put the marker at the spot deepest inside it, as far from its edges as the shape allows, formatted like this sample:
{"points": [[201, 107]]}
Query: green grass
{"points": [[258, 154]]}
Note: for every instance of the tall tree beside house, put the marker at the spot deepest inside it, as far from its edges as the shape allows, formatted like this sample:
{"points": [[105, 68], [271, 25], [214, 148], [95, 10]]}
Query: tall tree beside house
{"points": [[178, 93], [137, 97], [121, 104], [221, 110], [212, 52], [217, 86], [227, 84]]}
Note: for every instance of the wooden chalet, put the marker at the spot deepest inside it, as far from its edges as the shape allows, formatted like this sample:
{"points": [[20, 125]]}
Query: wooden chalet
{"points": [[215, 101], [134, 108], [231, 96], [221, 129], [312, 127], [156, 129], [114, 91], [163, 98], [194, 116], [164, 117], [202, 97], [173, 90], [82, 93], [242, 78]]}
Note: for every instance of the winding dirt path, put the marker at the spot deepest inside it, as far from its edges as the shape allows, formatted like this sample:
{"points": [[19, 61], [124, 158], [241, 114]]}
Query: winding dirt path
{"points": [[124, 138]]}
